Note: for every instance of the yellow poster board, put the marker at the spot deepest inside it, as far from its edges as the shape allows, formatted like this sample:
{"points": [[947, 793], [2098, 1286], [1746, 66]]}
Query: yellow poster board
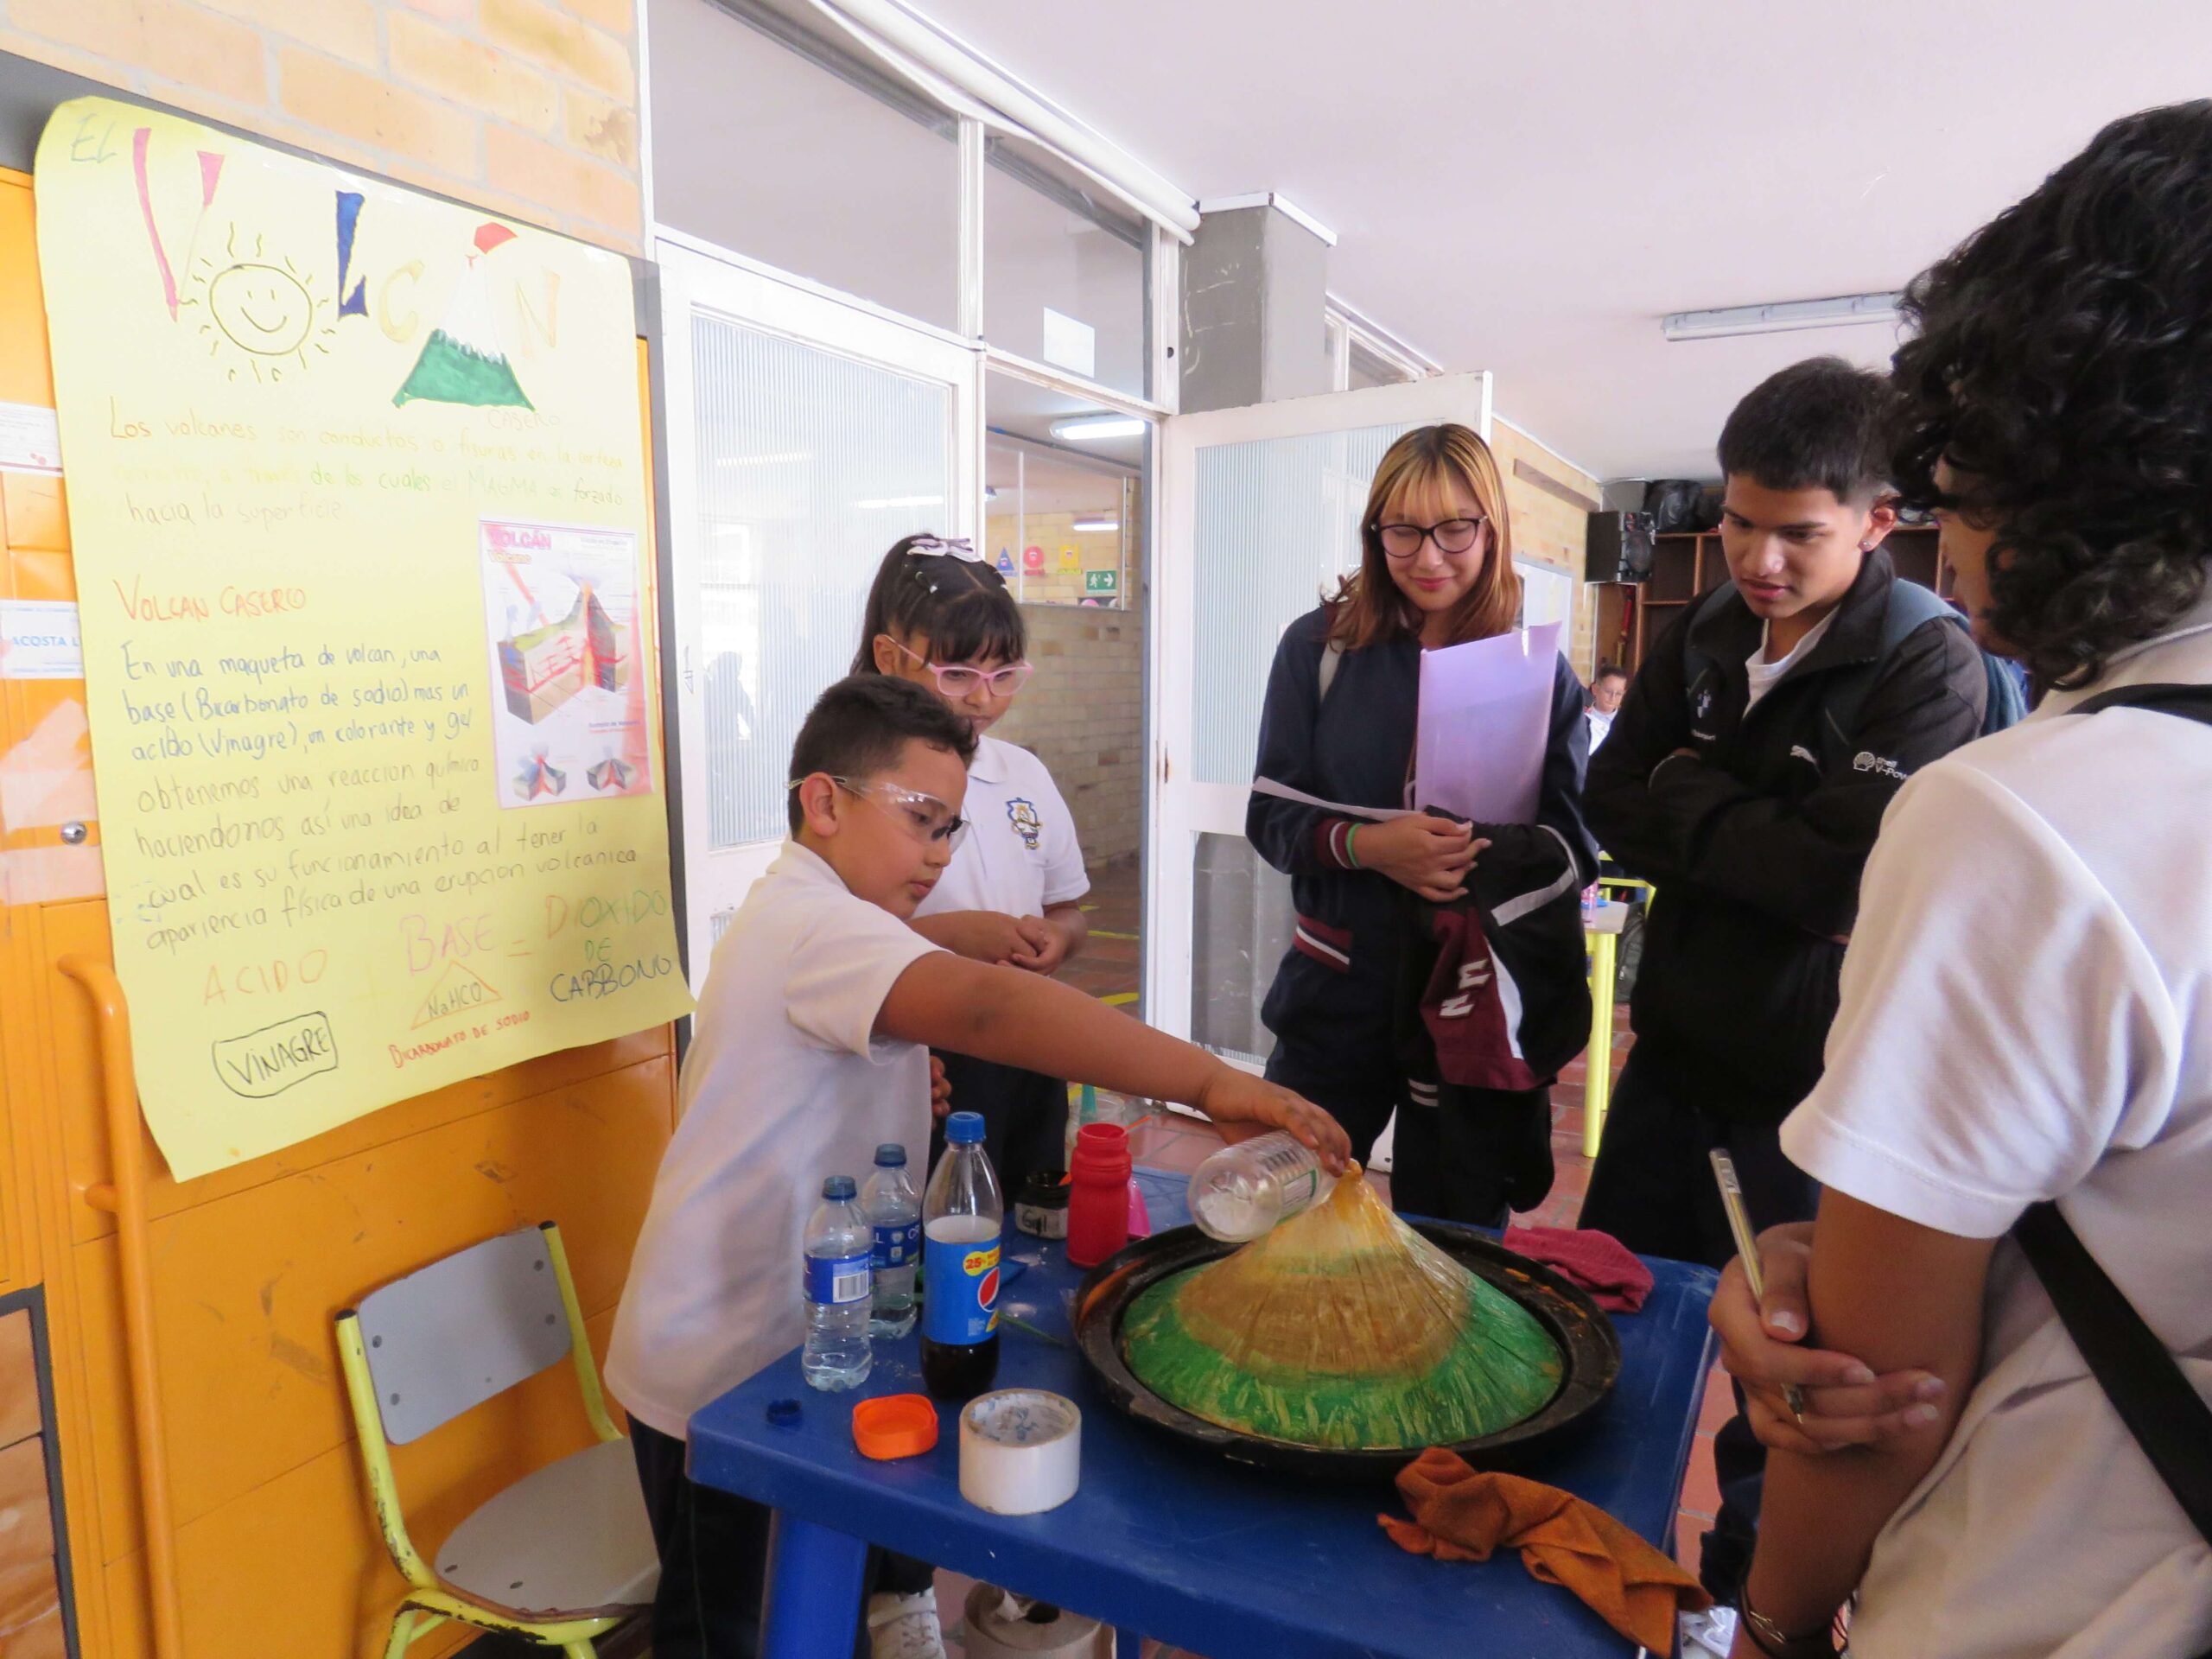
{"points": [[357, 495]]}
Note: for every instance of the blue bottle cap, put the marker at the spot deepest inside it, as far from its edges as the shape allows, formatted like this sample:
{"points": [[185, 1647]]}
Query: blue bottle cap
{"points": [[890, 1155], [838, 1188], [964, 1129]]}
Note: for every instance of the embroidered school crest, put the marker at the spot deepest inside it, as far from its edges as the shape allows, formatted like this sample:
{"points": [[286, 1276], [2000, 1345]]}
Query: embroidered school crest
{"points": [[1026, 824]]}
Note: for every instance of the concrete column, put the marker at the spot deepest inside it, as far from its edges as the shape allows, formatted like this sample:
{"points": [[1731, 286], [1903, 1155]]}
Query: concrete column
{"points": [[1254, 288]]}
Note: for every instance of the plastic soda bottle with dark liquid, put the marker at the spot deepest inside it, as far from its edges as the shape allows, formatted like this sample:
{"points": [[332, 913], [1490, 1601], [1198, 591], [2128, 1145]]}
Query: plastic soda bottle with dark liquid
{"points": [[961, 1214]]}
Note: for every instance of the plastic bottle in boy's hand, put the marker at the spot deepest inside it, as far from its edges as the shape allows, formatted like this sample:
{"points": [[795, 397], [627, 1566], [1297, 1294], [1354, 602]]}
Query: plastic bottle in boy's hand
{"points": [[895, 1213], [961, 1219], [839, 1256], [1243, 1190]]}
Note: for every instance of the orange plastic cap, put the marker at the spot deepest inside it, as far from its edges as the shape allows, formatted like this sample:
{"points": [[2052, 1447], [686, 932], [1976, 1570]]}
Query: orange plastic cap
{"points": [[896, 1426]]}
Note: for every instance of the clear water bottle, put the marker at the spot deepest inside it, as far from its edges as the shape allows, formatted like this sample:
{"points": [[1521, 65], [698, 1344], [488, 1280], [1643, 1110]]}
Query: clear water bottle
{"points": [[1242, 1191], [895, 1213], [962, 1216], [840, 1255]]}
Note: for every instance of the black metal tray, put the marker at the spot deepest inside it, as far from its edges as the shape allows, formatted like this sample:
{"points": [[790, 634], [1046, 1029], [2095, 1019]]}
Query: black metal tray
{"points": [[1586, 1341]]}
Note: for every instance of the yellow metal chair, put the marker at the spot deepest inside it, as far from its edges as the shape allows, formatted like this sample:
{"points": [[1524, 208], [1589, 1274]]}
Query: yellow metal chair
{"points": [[1598, 1070], [564, 1554]]}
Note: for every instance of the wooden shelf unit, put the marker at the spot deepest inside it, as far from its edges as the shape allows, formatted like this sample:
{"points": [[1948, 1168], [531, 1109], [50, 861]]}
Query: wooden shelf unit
{"points": [[1686, 566]]}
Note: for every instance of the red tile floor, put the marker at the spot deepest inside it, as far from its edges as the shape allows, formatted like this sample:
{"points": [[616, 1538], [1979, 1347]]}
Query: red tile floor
{"points": [[1107, 969]]}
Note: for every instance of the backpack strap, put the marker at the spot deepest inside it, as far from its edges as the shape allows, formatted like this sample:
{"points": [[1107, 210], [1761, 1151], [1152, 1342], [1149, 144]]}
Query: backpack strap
{"points": [[1695, 662], [1909, 608], [2139, 1374], [2189, 702]]}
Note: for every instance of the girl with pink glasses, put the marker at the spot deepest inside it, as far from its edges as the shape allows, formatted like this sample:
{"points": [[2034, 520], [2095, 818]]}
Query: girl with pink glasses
{"points": [[939, 615]]}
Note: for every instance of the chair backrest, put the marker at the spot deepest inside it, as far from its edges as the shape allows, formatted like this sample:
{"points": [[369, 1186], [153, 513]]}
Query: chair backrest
{"points": [[450, 1336]]}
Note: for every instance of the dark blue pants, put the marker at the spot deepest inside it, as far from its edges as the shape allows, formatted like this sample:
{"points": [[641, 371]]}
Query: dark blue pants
{"points": [[714, 1559], [1475, 1157], [1025, 1119], [1652, 1188]]}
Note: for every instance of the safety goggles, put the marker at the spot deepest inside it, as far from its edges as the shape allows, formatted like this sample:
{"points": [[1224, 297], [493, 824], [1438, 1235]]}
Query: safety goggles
{"points": [[924, 817], [958, 681]]}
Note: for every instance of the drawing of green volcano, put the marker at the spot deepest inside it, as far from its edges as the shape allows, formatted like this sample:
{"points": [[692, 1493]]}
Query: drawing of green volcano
{"points": [[462, 362]]}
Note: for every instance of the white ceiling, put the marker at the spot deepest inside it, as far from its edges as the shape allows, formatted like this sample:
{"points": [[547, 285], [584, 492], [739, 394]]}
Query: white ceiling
{"points": [[1527, 188]]}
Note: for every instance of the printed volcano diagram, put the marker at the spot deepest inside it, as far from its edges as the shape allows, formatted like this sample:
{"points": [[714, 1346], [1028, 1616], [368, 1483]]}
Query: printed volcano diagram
{"points": [[541, 670], [561, 615]]}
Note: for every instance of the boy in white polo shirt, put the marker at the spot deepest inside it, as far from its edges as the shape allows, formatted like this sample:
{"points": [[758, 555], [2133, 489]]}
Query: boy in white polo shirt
{"points": [[810, 1049]]}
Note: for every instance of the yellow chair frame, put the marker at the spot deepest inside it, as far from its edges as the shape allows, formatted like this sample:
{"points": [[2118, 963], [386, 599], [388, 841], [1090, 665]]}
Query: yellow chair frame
{"points": [[1598, 1069], [429, 1603]]}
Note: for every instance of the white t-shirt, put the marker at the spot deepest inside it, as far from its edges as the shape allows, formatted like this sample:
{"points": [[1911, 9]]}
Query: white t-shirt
{"points": [[1764, 675], [1600, 724], [785, 1085], [2027, 1013], [1022, 855]]}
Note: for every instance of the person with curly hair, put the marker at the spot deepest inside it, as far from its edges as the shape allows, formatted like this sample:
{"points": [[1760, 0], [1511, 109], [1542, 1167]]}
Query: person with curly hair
{"points": [[2026, 1011]]}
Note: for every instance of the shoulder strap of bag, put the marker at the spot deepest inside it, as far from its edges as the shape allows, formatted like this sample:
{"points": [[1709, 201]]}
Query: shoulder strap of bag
{"points": [[1909, 608], [2188, 701], [2140, 1376], [2144, 1383], [1695, 662]]}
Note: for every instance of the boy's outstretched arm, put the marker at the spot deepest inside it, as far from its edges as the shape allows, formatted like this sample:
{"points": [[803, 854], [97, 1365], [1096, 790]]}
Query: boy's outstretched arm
{"points": [[1013, 1018]]}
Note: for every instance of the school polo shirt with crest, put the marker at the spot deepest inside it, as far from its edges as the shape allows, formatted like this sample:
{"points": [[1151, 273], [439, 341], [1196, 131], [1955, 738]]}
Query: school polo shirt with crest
{"points": [[1022, 856]]}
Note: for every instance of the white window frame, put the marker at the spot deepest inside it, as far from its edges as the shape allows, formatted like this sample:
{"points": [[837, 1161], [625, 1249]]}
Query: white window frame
{"points": [[696, 277]]}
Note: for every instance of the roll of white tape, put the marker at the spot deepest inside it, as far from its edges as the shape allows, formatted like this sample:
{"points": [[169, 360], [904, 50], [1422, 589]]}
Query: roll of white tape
{"points": [[1021, 1451], [1002, 1626]]}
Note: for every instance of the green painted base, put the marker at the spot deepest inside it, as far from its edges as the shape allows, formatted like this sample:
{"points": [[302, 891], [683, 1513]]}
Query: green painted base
{"points": [[1505, 1368]]}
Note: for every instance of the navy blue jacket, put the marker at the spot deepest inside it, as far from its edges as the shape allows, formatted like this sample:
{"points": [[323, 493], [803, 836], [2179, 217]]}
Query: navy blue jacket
{"points": [[1334, 995]]}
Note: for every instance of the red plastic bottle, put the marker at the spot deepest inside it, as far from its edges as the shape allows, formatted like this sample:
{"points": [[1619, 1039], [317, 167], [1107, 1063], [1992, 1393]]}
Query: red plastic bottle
{"points": [[1098, 1199]]}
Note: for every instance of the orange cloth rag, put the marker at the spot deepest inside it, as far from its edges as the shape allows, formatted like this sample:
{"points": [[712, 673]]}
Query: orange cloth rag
{"points": [[1461, 1514]]}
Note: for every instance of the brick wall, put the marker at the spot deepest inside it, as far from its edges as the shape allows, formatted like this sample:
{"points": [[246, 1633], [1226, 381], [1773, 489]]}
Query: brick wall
{"points": [[1546, 528], [1083, 715], [529, 107]]}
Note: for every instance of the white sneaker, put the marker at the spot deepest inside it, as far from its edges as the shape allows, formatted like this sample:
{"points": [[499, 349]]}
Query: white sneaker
{"points": [[905, 1627], [1712, 1632]]}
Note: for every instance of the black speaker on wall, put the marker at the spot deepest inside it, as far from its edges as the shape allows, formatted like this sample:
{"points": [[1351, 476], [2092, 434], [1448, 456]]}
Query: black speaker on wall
{"points": [[1618, 547]]}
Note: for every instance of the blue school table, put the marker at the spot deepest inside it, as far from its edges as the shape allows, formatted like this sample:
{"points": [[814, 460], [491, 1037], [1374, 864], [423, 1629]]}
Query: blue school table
{"points": [[1161, 1539]]}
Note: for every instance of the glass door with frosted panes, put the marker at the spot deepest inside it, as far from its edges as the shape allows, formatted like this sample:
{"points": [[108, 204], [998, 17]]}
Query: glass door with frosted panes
{"points": [[806, 435], [1260, 514]]}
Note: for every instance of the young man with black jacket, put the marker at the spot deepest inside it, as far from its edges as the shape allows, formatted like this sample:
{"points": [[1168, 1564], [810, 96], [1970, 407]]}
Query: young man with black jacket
{"points": [[1746, 777]]}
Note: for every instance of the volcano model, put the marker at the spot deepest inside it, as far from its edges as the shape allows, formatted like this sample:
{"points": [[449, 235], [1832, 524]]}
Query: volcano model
{"points": [[1342, 1328]]}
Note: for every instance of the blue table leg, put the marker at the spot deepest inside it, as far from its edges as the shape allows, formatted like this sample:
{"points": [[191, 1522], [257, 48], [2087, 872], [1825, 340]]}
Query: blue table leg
{"points": [[815, 1577], [1127, 1644]]}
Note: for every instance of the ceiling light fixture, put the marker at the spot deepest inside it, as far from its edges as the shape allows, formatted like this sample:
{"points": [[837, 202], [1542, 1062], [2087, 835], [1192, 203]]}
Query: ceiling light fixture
{"points": [[901, 501], [1781, 317], [1095, 428], [1096, 524]]}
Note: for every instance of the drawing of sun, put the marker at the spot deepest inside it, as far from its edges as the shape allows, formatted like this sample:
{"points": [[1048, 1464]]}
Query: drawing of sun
{"points": [[261, 310]]}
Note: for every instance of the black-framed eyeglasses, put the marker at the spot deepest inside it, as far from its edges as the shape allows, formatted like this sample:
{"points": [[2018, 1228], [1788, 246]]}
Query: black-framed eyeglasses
{"points": [[1452, 536]]}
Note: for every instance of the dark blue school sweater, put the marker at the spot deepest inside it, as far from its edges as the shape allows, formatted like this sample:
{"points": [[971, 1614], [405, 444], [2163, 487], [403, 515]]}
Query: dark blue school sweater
{"points": [[1332, 995]]}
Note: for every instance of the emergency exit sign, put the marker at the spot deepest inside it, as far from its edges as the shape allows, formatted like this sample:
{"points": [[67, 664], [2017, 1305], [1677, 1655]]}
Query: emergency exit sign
{"points": [[1101, 582]]}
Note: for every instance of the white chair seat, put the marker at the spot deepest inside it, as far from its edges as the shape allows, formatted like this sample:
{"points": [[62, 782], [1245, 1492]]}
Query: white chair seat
{"points": [[570, 1538]]}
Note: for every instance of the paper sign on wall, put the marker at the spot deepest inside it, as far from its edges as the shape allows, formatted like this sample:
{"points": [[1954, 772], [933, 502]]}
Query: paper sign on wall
{"points": [[39, 640], [357, 504], [30, 441]]}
